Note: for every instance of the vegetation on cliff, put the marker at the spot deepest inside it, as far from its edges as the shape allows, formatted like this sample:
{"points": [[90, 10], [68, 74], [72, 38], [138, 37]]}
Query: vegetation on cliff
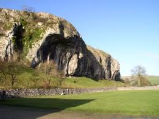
{"points": [[17, 75], [28, 27]]}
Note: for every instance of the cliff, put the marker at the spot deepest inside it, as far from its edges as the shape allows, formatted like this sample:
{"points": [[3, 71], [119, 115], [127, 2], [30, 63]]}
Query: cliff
{"points": [[38, 37]]}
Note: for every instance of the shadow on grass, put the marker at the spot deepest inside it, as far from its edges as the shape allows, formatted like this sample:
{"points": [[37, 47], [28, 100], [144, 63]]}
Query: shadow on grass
{"points": [[37, 107]]}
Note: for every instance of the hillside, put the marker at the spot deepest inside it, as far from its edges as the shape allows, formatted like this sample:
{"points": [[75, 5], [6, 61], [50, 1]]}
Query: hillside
{"points": [[154, 80], [26, 77], [39, 37]]}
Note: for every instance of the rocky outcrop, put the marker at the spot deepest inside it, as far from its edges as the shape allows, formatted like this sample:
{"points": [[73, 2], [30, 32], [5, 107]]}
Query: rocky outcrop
{"points": [[105, 66], [39, 37]]}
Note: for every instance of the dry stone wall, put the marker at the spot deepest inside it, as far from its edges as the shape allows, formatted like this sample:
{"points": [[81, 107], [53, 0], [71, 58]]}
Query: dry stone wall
{"points": [[13, 93]]}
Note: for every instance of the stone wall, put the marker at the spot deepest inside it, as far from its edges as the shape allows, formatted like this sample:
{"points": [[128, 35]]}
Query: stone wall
{"points": [[12, 93]]}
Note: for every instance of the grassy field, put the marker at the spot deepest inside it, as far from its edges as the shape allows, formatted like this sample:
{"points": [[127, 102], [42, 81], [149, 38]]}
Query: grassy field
{"points": [[154, 80], [135, 103]]}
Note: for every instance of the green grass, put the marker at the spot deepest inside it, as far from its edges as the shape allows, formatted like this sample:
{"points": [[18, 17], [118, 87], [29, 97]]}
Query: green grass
{"points": [[111, 83], [83, 82], [28, 80], [154, 80], [135, 103]]}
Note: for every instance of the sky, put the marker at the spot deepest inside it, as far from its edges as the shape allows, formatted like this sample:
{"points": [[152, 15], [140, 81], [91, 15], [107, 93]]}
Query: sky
{"points": [[126, 29]]}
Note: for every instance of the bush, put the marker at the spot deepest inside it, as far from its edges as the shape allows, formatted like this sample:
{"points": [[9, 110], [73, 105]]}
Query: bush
{"points": [[23, 22], [144, 82], [50, 69], [11, 71]]}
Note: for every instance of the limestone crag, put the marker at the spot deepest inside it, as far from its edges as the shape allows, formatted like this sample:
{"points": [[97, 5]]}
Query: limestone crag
{"points": [[39, 37]]}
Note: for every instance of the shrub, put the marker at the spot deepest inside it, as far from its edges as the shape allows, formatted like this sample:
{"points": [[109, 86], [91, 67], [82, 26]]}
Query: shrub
{"points": [[50, 69], [23, 22], [11, 71], [2, 34]]}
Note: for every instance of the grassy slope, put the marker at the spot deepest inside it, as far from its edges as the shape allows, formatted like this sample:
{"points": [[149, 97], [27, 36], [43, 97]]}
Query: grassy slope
{"points": [[83, 82], [30, 78], [119, 102], [154, 80], [24, 81]]}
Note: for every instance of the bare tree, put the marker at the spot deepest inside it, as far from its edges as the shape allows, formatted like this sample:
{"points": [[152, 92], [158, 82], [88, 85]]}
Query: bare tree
{"points": [[50, 69], [35, 78], [28, 9], [10, 71], [139, 73]]}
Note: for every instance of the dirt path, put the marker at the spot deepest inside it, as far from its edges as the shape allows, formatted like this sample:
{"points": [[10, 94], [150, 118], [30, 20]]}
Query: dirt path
{"points": [[139, 88], [30, 113]]}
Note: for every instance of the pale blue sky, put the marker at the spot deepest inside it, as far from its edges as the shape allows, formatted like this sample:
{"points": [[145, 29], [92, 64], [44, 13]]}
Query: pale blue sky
{"points": [[127, 29]]}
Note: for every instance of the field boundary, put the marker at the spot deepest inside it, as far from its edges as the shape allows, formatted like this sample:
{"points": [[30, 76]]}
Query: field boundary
{"points": [[138, 88], [13, 93]]}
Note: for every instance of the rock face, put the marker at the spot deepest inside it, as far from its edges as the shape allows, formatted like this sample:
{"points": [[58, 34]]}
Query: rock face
{"points": [[39, 37]]}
